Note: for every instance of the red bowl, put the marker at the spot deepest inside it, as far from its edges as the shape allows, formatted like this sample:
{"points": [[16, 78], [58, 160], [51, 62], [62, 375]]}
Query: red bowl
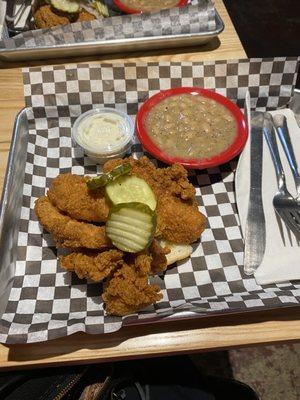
{"points": [[196, 163], [128, 10]]}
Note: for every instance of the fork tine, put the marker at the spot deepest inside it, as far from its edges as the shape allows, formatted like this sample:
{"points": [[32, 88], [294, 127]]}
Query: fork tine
{"points": [[296, 215], [294, 227], [287, 219]]}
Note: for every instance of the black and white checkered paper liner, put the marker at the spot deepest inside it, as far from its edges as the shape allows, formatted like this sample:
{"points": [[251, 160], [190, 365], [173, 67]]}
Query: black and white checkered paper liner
{"points": [[46, 302], [197, 17]]}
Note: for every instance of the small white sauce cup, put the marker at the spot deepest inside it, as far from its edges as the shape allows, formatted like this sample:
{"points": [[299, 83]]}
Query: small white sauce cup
{"points": [[108, 150]]}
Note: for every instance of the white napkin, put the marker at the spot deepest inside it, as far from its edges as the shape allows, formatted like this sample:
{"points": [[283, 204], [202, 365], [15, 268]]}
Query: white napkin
{"points": [[281, 261]]}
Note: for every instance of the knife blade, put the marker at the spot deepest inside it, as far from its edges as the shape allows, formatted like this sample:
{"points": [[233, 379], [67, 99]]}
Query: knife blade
{"points": [[255, 229]]}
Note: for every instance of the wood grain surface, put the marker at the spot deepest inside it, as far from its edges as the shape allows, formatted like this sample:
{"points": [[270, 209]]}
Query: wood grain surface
{"points": [[201, 334]]}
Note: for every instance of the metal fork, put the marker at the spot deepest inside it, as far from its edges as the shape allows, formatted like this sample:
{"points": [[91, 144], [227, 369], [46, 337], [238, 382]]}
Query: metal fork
{"points": [[284, 204], [282, 130]]}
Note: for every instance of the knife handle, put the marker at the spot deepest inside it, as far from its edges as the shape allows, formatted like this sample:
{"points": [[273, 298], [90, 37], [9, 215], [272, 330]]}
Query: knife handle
{"points": [[282, 130], [269, 134]]}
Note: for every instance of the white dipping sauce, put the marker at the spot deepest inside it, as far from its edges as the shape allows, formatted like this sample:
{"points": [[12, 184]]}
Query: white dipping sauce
{"points": [[102, 132]]}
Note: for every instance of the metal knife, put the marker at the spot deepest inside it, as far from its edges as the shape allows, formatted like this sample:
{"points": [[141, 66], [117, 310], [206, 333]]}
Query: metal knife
{"points": [[255, 229]]}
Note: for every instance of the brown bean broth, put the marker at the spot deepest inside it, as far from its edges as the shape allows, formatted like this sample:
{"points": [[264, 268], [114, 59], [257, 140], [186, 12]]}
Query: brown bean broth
{"points": [[191, 126], [150, 5]]}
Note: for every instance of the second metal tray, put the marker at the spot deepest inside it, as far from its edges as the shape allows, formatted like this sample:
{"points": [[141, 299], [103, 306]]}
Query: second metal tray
{"points": [[111, 46]]}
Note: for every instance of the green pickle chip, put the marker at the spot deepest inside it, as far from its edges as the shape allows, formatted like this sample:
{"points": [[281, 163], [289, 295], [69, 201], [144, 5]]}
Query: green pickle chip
{"points": [[131, 226], [102, 180]]}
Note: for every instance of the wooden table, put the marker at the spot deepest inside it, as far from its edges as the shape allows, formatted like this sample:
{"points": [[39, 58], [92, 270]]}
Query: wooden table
{"points": [[201, 334]]}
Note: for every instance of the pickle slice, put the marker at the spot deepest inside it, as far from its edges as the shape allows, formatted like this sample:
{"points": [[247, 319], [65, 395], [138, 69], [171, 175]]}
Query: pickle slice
{"points": [[69, 6], [102, 180], [126, 189], [131, 226]]}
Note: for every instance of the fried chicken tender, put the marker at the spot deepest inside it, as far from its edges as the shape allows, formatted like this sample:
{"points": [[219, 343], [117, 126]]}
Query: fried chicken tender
{"points": [[46, 16], [178, 222], [68, 232], [128, 290], [70, 194], [178, 219], [91, 265]]}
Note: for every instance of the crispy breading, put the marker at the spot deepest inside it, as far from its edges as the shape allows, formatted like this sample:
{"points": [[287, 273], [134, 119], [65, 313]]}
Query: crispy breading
{"points": [[70, 194], [178, 222], [67, 231], [46, 16], [96, 265], [84, 15], [158, 253], [163, 181], [92, 265], [128, 290], [178, 219]]}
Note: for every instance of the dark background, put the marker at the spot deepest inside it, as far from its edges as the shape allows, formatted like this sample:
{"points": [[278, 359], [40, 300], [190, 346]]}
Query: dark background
{"points": [[267, 28]]}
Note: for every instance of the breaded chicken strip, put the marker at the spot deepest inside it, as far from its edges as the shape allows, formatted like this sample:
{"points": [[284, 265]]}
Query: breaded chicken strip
{"points": [[68, 232], [178, 222], [128, 290], [70, 194], [91, 265]]}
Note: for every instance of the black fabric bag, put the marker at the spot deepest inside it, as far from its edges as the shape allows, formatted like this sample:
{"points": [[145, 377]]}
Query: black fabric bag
{"points": [[172, 378]]}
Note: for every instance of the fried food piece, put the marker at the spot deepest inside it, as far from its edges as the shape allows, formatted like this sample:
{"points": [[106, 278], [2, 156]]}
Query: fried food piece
{"points": [[91, 265], [171, 181], [70, 194], [96, 266], [128, 290], [178, 222], [68, 232], [178, 218], [84, 15], [158, 254], [45, 17]]}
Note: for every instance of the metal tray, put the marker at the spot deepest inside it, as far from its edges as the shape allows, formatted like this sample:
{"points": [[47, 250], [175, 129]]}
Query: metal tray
{"points": [[112, 46], [10, 206]]}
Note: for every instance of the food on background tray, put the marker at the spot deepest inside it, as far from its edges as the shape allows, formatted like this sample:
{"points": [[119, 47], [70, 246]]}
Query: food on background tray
{"points": [[103, 133], [137, 6], [190, 126], [49, 13], [195, 127], [143, 250]]}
